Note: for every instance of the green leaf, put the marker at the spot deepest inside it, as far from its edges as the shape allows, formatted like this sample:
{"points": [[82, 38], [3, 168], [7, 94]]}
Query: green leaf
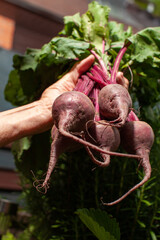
{"points": [[95, 24], [148, 204], [20, 145], [69, 48], [72, 26], [27, 61], [99, 12], [26, 83], [142, 225], [100, 223], [117, 33], [13, 91], [146, 45], [153, 235]]}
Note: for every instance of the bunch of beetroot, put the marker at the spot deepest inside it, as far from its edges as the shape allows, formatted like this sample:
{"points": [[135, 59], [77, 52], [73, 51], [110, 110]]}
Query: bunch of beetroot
{"points": [[98, 115]]}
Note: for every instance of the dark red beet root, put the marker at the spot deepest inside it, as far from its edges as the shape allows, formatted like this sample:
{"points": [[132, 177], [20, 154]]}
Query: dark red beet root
{"points": [[60, 144], [71, 112], [104, 136], [115, 103], [137, 137]]}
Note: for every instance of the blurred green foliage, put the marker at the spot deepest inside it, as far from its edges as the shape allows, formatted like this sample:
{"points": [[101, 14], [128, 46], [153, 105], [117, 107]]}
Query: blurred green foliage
{"points": [[152, 6]]}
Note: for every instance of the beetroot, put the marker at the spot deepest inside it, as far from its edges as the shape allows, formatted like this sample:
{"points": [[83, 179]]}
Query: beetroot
{"points": [[137, 137], [114, 104], [59, 145], [71, 112], [104, 136]]}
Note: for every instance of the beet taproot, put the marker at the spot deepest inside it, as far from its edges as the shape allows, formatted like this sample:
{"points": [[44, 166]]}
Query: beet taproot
{"points": [[106, 137], [59, 145], [114, 104], [137, 137]]}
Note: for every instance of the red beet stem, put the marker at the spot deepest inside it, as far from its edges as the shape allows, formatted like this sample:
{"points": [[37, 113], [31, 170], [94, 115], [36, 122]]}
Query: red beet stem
{"points": [[78, 85], [117, 62], [96, 74], [103, 66], [103, 45], [97, 114], [100, 71], [97, 80]]}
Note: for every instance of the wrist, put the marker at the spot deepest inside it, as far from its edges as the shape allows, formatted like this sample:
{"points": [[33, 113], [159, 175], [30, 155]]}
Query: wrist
{"points": [[24, 121], [45, 112]]}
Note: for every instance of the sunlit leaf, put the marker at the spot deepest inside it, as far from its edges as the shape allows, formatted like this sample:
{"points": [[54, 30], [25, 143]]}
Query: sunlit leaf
{"points": [[100, 223], [141, 224], [153, 235]]}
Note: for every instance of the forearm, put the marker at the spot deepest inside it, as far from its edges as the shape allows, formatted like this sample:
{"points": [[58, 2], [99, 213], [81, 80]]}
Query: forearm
{"points": [[24, 121], [36, 117]]}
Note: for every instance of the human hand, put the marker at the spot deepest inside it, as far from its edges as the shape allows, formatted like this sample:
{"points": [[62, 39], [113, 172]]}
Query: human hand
{"points": [[67, 82]]}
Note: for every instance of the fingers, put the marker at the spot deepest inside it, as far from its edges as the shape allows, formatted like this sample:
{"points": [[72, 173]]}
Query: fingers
{"points": [[83, 65], [120, 79], [68, 81], [80, 68]]}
